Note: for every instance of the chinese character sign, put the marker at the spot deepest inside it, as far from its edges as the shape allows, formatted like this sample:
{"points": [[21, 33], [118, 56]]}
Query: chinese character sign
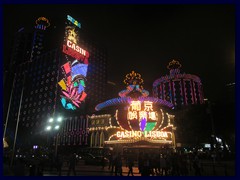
{"points": [[143, 112]]}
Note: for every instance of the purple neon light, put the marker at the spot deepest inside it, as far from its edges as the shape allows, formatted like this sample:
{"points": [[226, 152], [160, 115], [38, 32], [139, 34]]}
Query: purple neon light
{"points": [[143, 124], [122, 100], [176, 76], [80, 88]]}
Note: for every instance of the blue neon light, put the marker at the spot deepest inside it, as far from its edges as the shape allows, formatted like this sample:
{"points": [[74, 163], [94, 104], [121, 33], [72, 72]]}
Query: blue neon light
{"points": [[79, 69], [75, 22]]}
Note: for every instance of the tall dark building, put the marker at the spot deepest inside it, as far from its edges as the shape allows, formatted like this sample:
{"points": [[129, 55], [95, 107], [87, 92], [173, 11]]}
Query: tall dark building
{"points": [[21, 47], [41, 81], [19, 52], [96, 77], [42, 24]]}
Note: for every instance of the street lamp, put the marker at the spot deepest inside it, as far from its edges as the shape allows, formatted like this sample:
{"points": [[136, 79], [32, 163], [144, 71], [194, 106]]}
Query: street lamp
{"points": [[54, 125]]}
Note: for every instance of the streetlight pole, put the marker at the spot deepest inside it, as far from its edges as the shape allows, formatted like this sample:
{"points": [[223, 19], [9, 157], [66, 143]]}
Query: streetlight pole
{"points": [[56, 145], [9, 105], [16, 129], [209, 112], [55, 125]]}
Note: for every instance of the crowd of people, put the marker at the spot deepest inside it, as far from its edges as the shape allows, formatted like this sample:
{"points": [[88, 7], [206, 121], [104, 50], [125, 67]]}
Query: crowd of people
{"points": [[148, 164], [173, 164]]}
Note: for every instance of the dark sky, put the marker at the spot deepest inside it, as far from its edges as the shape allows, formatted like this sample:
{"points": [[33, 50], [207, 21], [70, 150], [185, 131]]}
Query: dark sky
{"points": [[145, 38]]}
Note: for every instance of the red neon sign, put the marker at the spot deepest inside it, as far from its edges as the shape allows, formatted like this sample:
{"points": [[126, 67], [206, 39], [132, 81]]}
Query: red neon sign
{"points": [[76, 52]]}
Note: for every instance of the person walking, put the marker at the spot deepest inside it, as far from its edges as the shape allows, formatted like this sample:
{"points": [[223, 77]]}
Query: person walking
{"points": [[103, 162], [72, 164], [197, 165], [59, 163], [118, 165], [140, 163], [110, 166], [130, 166]]}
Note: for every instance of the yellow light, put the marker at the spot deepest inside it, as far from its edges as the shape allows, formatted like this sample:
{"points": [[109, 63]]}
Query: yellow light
{"points": [[62, 84], [148, 106], [142, 114], [152, 115], [132, 115], [135, 105]]}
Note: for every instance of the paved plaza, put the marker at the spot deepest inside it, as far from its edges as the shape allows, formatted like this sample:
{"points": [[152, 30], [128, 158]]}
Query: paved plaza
{"points": [[208, 169]]}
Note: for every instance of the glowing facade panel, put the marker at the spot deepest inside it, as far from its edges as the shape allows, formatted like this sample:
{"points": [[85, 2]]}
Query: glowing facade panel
{"points": [[179, 88], [74, 70], [138, 116]]}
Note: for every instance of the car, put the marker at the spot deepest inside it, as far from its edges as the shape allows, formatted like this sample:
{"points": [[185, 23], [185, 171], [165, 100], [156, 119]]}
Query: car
{"points": [[90, 159]]}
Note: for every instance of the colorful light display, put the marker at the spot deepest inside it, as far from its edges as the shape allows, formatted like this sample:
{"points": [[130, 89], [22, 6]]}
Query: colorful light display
{"points": [[133, 134], [73, 84], [138, 116], [75, 71], [179, 88], [42, 23], [72, 20], [135, 112], [71, 44]]}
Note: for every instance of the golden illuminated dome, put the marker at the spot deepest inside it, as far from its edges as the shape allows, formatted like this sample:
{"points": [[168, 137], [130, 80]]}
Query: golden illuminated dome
{"points": [[43, 20], [174, 65], [133, 78]]}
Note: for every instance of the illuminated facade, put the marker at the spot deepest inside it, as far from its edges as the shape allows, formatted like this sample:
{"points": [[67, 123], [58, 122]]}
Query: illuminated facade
{"points": [[34, 94], [137, 119], [74, 68], [42, 24], [54, 83], [179, 88]]}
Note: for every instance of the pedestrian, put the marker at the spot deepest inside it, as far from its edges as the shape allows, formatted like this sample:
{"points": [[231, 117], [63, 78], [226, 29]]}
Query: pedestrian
{"points": [[130, 166], [146, 166], [118, 165], [72, 164], [140, 163], [103, 162], [196, 165], [163, 165], [59, 163], [32, 169], [110, 166], [114, 162]]}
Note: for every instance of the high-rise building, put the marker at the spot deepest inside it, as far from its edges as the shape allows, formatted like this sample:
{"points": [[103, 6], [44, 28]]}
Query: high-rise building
{"points": [[43, 82], [96, 77], [42, 24]]}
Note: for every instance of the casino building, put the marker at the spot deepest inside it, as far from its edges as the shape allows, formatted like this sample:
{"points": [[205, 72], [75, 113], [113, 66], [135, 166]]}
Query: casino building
{"points": [[135, 120], [179, 88], [66, 81]]}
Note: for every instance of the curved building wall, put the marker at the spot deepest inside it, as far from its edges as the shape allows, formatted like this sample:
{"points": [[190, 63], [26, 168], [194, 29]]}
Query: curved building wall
{"points": [[179, 88]]}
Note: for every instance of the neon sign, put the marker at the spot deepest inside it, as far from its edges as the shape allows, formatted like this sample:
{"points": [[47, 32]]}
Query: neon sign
{"points": [[75, 51], [76, 47], [72, 20], [135, 112], [138, 134], [73, 85], [74, 70]]}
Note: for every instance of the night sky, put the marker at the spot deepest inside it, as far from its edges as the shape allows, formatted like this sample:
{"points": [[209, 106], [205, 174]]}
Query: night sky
{"points": [[145, 38]]}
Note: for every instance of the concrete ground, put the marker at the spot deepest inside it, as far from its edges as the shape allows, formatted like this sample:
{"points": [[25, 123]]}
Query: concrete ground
{"points": [[208, 169]]}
